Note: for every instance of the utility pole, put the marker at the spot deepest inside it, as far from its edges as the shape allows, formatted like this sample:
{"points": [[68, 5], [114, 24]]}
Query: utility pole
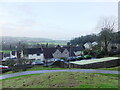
{"points": [[70, 46]]}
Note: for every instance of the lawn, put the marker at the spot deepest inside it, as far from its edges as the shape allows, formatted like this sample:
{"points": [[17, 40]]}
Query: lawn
{"points": [[6, 51], [45, 68], [62, 80], [112, 68], [35, 68]]}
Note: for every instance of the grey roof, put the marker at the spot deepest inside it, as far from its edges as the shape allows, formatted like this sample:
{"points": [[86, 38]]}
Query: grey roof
{"points": [[32, 51], [48, 52]]}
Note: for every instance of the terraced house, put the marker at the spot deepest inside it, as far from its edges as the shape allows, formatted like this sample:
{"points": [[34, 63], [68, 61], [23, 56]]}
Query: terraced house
{"points": [[50, 52]]}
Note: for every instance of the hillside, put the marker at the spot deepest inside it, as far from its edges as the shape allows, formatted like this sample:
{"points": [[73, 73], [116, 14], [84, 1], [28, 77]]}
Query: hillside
{"points": [[9, 39], [9, 43], [62, 80]]}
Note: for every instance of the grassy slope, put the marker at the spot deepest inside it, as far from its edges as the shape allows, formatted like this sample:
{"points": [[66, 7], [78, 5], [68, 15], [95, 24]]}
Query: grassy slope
{"points": [[113, 68], [37, 68], [62, 79]]}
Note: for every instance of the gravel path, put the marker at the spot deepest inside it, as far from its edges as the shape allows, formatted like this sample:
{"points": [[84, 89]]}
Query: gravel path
{"points": [[66, 70]]}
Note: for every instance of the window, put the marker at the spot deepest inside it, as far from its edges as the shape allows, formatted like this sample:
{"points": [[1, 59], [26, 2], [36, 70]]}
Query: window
{"points": [[38, 54], [113, 47]]}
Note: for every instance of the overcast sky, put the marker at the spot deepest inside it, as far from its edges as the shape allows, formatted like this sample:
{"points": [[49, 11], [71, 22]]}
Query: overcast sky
{"points": [[60, 20]]}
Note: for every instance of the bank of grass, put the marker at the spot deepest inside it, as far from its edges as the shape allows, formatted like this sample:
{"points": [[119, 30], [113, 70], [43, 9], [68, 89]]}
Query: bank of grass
{"points": [[112, 68], [35, 68], [45, 68], [61, 80]]}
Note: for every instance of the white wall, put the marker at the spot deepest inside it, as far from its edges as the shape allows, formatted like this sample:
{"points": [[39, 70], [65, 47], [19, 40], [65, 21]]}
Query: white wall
{"points": [[35, 56], [77, 53], [13, 56], [88, 46]]}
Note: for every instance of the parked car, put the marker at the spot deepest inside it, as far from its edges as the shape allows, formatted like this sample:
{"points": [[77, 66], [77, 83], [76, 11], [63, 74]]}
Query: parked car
{"points": [[71, 58], [37, 63], [3, 67], [80, 57], [57, 59]]}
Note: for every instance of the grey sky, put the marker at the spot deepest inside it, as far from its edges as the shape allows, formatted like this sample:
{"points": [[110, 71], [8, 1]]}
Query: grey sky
{"points": [[60, 20]]}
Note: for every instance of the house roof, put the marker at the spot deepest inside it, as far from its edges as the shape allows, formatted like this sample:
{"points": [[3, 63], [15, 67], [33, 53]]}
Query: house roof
{"points": [[13, 52], [74, 49], [48, 52], [77, 49], [6, 55], [32, 51]]}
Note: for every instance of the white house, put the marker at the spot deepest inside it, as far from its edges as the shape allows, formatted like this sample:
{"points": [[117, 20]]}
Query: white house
{"points": [[13, 54], [51, 52], [88, 45]]}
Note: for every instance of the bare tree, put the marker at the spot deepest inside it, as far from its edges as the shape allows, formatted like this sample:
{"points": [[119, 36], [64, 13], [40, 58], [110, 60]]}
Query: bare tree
{"points": [[107, 27], [108, 22]]}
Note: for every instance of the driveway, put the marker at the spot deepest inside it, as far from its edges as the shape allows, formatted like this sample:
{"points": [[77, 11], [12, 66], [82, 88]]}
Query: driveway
{"points": [[66, 70]]}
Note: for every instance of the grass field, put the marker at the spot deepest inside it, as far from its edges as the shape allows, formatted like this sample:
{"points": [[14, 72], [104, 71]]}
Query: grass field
{"points": [[6, 51], [62, 80], [113, 68], [35, 68]]}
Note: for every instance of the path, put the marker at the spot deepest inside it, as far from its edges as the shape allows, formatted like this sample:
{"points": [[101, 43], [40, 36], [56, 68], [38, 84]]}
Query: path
{"points": [[66, 70]]}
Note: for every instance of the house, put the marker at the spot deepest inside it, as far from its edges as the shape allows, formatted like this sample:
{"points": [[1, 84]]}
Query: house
{"points": [[4, 56], [114, 48], [94, 43], [77, 51], [88, 45], [51, 52], [32, 53], [15, 54]]}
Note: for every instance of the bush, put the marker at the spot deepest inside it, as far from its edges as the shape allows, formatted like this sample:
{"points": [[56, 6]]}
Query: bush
{"points": [[87, 56], [100, 54], [63, 58], [86, 52], [9, 63]]}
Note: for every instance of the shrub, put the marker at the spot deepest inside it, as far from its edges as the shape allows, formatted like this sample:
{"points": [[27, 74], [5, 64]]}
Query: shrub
{"points": [[63, 58], [9, 62], [86, 52], [100, 54]]}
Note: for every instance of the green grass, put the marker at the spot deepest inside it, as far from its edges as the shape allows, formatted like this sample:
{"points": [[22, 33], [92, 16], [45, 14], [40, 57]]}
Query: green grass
{"points": [[113, 68], [61, 80], [35, 68], [6, 51], [113, 75], [44, 68]]}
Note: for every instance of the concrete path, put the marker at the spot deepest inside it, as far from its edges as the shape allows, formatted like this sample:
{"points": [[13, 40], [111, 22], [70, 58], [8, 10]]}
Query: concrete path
{"points": [[66, 70]]}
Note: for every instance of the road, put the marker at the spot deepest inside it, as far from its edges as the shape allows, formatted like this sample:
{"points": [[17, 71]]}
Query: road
{"points": [[66, 70]]}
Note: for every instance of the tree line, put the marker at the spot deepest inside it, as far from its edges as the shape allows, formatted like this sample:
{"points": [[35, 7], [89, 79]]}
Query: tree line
{"points": [[108, 34]]}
